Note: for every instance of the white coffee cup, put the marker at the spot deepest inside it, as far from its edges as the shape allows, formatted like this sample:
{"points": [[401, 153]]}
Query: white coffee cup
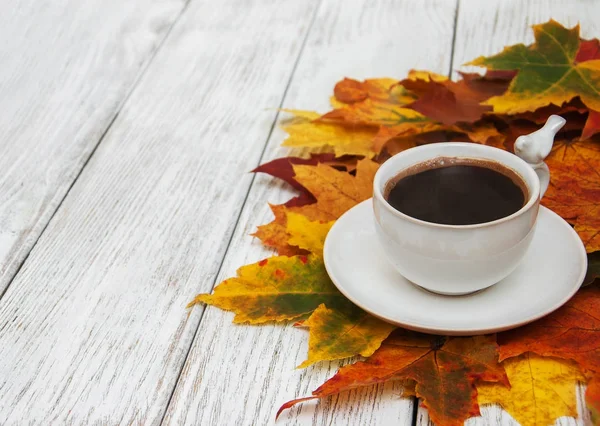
{"points": [[461, 259]]}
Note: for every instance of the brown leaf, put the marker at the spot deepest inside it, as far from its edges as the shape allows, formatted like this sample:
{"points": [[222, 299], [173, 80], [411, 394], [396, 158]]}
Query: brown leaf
{"points": [[451, 102], [444, 369]]}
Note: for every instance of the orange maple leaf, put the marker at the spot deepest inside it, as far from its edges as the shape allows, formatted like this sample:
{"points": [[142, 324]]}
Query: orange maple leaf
{"points": [[444, 369], [574, 191], [335, 191]]}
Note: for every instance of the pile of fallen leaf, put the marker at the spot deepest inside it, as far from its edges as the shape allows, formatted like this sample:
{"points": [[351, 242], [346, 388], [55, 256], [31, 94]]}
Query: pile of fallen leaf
{"points": [[531, 371]]}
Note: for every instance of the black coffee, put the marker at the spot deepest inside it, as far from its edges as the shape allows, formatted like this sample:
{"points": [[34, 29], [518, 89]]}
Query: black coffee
{"points": [[455, 191]]}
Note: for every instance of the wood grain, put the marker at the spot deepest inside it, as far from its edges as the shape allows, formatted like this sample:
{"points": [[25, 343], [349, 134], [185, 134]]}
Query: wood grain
{"points": [[484, 28], [240, 375], [66, 68], [94, 329]]}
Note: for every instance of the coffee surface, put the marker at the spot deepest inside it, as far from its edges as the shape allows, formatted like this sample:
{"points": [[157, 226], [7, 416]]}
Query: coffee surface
{"points": [[457, 192]]}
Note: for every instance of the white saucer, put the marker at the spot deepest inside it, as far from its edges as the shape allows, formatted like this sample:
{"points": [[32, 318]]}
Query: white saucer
{"points": [[550, 274]]}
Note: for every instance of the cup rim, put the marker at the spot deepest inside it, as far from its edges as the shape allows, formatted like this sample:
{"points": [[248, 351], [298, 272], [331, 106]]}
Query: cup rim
{"points": [[534, 195]]}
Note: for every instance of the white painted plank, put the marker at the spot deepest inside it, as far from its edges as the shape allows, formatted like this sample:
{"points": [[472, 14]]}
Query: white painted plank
{"points": [[484, 28], [66, 67], [240, 374], [94, 329]]}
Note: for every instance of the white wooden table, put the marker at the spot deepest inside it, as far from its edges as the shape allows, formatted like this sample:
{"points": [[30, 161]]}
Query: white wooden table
{"points": [[127, 130]]}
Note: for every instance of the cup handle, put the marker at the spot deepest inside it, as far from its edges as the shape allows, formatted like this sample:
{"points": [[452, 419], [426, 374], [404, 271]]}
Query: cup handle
{"points": [[543, 173], [535, 147]]}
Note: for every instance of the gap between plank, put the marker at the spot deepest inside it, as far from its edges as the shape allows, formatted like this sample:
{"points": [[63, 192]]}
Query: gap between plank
{"points": [[453, 39], [237, 220], [100, 139]]}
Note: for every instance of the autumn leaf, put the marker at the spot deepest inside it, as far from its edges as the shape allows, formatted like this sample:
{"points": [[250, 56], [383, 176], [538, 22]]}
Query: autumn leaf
{"points": [[335, 191], [484, 133], [342, 138], [336, 334], [306, 234], [574, 191], [375, 113], [592, 125], [571, 332], [349, 90], [282, 168], [547, 72], [541, 389], [444, 371], [326, 193], [380, 108], [424, 75], [276, 289], [451, 102]]}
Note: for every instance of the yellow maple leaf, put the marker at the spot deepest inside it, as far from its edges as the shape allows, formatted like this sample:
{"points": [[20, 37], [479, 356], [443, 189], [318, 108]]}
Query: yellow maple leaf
{"points": [[340, 138], [306, 234], [335, 191], [542, 389], [276, 289], [336, 334]]}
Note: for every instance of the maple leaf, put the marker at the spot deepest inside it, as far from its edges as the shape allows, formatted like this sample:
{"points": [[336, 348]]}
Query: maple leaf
{"points": [[571, 332], [541, 389], [344, 139], [305, 234], [336, 334], [326, 193], [444, 372], [276, 289], [380, 108], [451, 102], [547, 71], [282, 168], [574, 191], [335, 191]]}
